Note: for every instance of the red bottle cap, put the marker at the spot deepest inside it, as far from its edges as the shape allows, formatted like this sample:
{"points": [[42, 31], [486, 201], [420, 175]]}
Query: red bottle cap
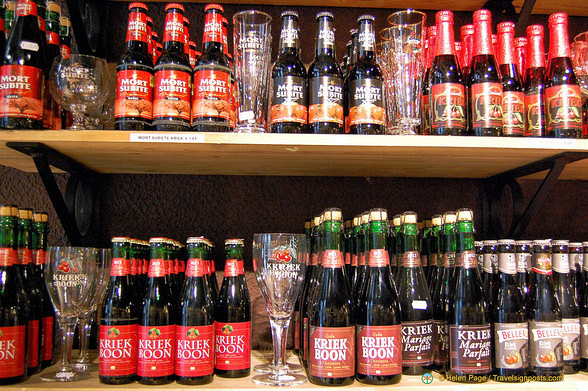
{"points": [[217, 7], [558, 18], [137, 5], [535, 29], [444, 43], [432, 40], [482, 15], [444, 16], [466, 29], [520, 42], [535, 49], [505, 52], [186, 21], [483, 33], [174, 6]]}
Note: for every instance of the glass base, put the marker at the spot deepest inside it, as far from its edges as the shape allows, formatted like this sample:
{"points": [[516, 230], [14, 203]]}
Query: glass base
{"points": [[281, 380], [65, 376], [85, 367], [269, 368]]}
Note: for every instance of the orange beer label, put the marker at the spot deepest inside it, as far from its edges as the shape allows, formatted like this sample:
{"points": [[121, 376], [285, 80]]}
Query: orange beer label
{"points": [[172, 94], [134, 94], [212, 90], [21, 92]]}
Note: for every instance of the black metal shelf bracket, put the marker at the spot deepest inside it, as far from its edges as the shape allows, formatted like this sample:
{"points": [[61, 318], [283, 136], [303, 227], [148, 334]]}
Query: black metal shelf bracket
{"points": [[493, 189], [76, 209]]}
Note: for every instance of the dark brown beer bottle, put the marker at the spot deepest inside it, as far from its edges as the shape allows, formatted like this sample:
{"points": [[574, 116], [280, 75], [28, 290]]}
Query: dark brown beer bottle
{"points": [[426, 95], [524, 261], [325, 85], [563, 99], [576, 262], [534, 86], [490, 279], [289, 106], [2, 28], [513, 98], [447, 105], [133, 106], [440, 298], [484, 87], [362, 251]]}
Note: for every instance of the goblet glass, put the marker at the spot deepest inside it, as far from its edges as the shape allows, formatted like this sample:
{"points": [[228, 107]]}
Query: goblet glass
{"points": [[69, 273], [80, 84], [279, 262]]}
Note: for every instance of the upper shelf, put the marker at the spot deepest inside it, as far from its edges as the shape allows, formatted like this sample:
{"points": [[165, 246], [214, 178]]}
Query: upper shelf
{"points": [[572, 7], [122, 152]]}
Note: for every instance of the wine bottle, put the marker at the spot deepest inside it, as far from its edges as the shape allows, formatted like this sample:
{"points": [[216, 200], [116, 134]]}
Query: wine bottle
{"points": [[479, 246], [534, 86], [354, 247], [426, 95]]}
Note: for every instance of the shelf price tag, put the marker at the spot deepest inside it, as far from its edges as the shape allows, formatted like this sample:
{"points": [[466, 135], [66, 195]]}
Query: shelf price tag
{"points": [[151, 137]]}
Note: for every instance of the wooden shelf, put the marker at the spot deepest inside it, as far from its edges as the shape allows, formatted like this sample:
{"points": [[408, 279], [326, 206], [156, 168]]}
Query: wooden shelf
{"points": [[117, 152]]}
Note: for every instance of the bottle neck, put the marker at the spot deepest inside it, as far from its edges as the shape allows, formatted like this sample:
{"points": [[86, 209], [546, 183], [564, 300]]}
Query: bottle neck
{"points": [[506, 54], [137, 27], [449, 243], [325, 38], [445, 42], [558, 41], [354, 50], [431, 52], [483, 38], [289, 40], [366, 39], [331, 238], [174, 31], [410, 238], [465, 237], [377, 235], [213, 30], [535, 52]]}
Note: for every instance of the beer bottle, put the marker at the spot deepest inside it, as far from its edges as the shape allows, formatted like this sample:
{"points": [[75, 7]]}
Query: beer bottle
{"points": [[186, 23], [366, 91], [289, 109], [523, 254], [534, 86], [584, 311], [133, 106], [155, 46], [192, 54], [233, 317], [520, 44], [570, 315], [490, 271], [52, 111], [468, 317], [65, 36], [434, 252], [426, 96], [23, 68], [150, 37], [212, 281], [377, 317], [157, 323], [424, 249], [576, 262], [466, 33], [195, 331], [355, 227], [119, 320], [2, 27], [362, 251], [173, 76], [15, 313], [513, 98], [397, 243], [509, 319], [479, 246], [331, 325], [325, 87], [563, 99], [544, 315], [484, 88]]}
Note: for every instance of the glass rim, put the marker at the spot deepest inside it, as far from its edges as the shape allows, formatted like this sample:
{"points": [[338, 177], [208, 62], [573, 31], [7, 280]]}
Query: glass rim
{"points": [[582, 37], [241, 14], [409, 11]]}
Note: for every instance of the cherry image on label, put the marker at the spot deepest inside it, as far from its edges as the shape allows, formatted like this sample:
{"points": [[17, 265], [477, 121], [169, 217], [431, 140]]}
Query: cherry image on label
{"points": [[172, 95], [21, 91], [379, 350], [195, 350], [211, 95], [511, 345], [12, 351], [332, 352], [535, 117], [448, 106], [233, 345], [117, 350], [134, 94], [545, 344], [157, 346], [513, 119], [563, 108], [486, 105]]}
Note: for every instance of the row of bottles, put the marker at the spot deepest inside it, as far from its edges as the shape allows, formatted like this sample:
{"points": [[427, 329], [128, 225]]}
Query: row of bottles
{"points": [[27, 318], [155, 335]]}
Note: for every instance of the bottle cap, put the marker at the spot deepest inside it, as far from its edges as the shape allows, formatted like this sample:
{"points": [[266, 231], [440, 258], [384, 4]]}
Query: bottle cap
{"points": [[450, 217], [120, 239], [397, 220], [558, 18], [353, 32], [64, 21], [186, 21], [365, 217], [5, 211], [444, 16], [437, 220], [584, 244], [356, 220], [291, 13], [131, 6], [542, 242], [149, 20], [366, 17], [409, 217], [325, 14], [428, 223], [333, 214], [192, 44], [478, 243], [523, 242], [317, 221], [506, 242], [157, 240], [378, 214], [466, 29], [560, 242], [347, 224], [54, 6], [217, 7], [465, 215], [174, 6], [575, 244], [482, 15], [235, 242], [40, 217], [196, 240], [505, 27], [25, 213], [535, 29], [490, 243], [520, 42]]}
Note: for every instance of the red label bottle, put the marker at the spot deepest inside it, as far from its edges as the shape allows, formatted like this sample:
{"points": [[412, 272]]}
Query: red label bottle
{"points": [[426, 96], [534, 87]]}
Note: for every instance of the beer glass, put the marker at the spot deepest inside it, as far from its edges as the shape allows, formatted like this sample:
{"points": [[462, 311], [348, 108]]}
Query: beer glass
{"points": [[252, 53], [279, 262], [383, 57], [406, 59], [580, 61]]}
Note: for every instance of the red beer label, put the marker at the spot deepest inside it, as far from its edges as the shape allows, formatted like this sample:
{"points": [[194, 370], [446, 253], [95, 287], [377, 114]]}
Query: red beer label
{"points": [[118, 350], [8, 256], [378, 258], [487, 105], [563, 108], [232, 345], [52, 38], [513, 115], [137, 28], [470, 348], [542, 263], [211, 95], [157, 345], [379, 350], [332, 259], [134, 94], [120, 267], [47, 338], [448, 108], [134, 266], [213, 27], [157, 268], [182, 268], [21, 91], [65, 51], [174, 27], [26, 7], [33, 343], [535, 113], [354, 260], [332, 351], [361, 259], [40, 257], [195, 350], [196, 268], [172, 94], [12, 351], [231, 268], [25, 256]]}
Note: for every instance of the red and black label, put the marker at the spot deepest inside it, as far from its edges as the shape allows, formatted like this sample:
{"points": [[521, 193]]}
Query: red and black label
{"points": [[12, 351], [366, 102], [332, 351], [172, 94], [120, 267], [470, 349], [195, 350], [134, 94], [21, 91], [535, 112], [26, 7], [417, 339], [157, 268], [211, 95], [196, 268], [174, 27], [213, 28], [486, 105], [448, 109], [513, 115], [33, 343], [563, 108], [8, 256], [47, 338], [289, 100], [137, 28], [157, 347], [232, 345], [379, 350], [117, 350], [325, 100]]}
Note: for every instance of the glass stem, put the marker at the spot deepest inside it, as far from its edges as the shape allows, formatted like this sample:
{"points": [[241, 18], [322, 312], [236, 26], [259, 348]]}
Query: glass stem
{"points": [[279, 337], [68, 329], [85, 330]]}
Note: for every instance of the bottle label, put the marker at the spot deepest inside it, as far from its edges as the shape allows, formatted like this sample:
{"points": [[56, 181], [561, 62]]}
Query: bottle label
{"points": [[507, 263], [513, 115], [378, 258], [417, 338], [545, 340], [26, 7], [21, 91], [12, 351], [174, 27], [542, 263], [486, 105], [25, 256], [325, 100], [466, 259], [411, 259], [120, 267], [289, 37], [490, 260], [172, 94], [571, 338], [33, 343], [426, 117], [289, 100], [469, 349], [563, 107], [65, 51], [118, 350], [8, 256], [137, 29], [511, 345], [332, 352], [440, 342], [347, 259], [523, 262], [211, 96], [233, 345], [47, 338], [448, 106], [40, 257], [134, 267], [52, 38], [157, 345], [379, 350], [231, 268], [584, 337], [157, 268], [195, 350], [535, 108], [333, 259], [196, 268], [213, 27], [424, 260], [326, 38], [183, 267], [433, 260], [361, 260], [366, 103], [134, 94], [561, 263]]}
